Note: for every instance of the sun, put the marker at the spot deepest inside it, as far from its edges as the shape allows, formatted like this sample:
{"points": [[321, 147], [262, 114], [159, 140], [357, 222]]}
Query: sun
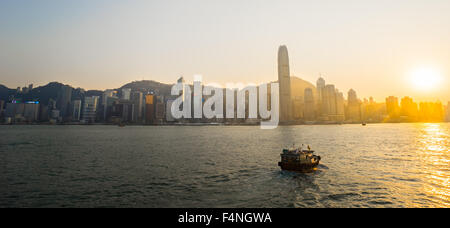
{"points": [[425, 78]]}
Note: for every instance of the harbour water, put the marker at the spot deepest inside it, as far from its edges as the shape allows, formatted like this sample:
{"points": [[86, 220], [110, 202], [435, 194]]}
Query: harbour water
{"points": [[380, 165]]}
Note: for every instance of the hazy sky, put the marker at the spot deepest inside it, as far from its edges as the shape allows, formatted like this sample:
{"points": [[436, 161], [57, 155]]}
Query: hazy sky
{"points": [[366, 45]]}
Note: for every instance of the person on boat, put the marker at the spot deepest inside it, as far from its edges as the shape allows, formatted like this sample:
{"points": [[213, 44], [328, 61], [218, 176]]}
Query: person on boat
{"points": [[309, 148]]}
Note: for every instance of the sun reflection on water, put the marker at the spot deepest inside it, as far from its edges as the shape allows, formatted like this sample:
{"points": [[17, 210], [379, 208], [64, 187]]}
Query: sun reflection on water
{"points": [[435, 163]]}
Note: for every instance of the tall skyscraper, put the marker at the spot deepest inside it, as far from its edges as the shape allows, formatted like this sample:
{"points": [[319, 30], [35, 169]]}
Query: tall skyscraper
{"points": [[76, 110], [353, 107], [31, 112], [108, 98], [392, 107], [320, 85], [63, 101], [409, 110], [309, 105], [90, 109], [149, 109], [340, 107], [329, 100], [137, 98], [284, 79]]}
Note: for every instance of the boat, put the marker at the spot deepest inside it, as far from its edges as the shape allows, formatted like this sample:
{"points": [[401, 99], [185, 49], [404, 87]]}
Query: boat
{"points": [[121, 125], [299, 160], [364, 124]]}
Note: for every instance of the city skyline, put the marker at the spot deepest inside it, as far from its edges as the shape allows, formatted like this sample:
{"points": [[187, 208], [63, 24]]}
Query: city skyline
{"points": [[372, 47]]}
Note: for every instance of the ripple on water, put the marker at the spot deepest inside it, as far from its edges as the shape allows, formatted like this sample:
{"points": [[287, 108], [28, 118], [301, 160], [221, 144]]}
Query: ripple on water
{"points": [[385, 165]]}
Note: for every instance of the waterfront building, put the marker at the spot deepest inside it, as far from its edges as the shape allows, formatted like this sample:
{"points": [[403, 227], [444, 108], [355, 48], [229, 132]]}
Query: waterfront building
{"points": [[22, 112], [31, 112], [90, 109], [373, 112], [160, 112], [2, 104], [122, 111], [353, 107], [137, 98], [392, 108], [284, 80], [14, 110], [76, 110], [340, 107], [431, 112], [297, 108], [409, 111], [320, 85], [108, 99], [63, 100], [43, 113], [149, 108], [309, 111], [328, 103]]}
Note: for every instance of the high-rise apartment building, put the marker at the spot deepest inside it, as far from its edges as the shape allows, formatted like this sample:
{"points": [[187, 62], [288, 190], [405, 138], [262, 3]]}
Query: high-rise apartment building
{"points": [[149, 109], [63, 100], [353, 107], [137, 98], [392, 107], [310, 106], [90, 109], [76, 110]]}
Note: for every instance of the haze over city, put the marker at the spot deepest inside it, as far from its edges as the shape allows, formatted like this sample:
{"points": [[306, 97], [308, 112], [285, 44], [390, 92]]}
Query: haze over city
{"points": [[378, 48], [225, 104]]}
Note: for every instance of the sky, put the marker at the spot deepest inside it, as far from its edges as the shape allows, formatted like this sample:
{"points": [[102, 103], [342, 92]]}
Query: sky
{"points": [[373, 47]]}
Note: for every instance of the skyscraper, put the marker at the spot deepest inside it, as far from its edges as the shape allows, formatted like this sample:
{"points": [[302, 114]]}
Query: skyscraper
{"points": [[63, 101], [149, 109], [392, 107], [108, 98], [138, 101], [90, 109], [309, 105], [320, 85], [76, 110], [340, 107], [284, 79], [353, 107], [329, 101], [409, 110]]}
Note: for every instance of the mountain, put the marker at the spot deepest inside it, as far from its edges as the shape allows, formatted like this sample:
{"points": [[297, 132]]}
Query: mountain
{"points": [[51, 90], [298, 87], [5, 92], [146, 86]]}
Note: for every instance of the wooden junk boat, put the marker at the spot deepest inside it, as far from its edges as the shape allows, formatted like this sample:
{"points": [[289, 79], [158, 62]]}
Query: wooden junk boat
{"points": [[299, 160]]}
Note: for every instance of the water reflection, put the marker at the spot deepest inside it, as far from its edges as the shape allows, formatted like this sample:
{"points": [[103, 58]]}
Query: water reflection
{"points": [[435, 163]]}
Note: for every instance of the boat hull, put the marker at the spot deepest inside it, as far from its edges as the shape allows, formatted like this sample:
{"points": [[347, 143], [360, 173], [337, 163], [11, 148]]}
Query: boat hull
{"points": [[298, 167]]}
